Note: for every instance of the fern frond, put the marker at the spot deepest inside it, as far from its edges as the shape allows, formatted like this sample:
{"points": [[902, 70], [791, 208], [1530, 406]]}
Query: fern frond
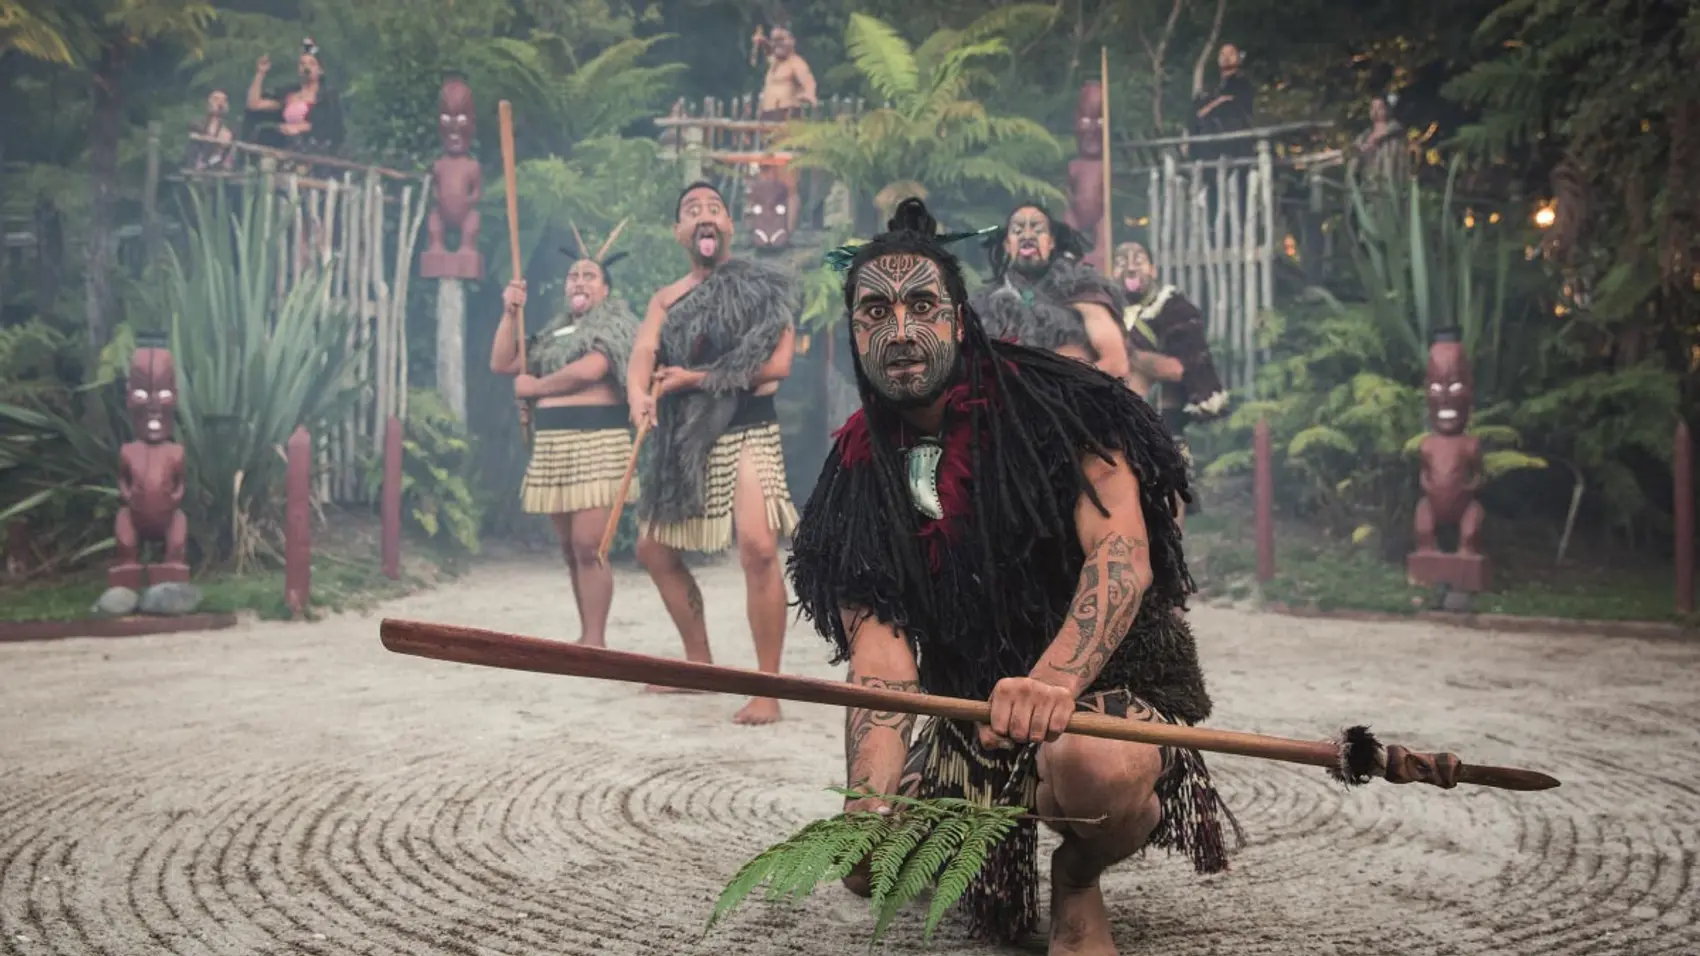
{"points": [[988, 831], [764, 865], [889, 855], [920, 869]]}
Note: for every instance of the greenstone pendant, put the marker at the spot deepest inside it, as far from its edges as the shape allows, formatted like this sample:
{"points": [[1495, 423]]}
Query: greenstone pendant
{"points": [[923, 466]]}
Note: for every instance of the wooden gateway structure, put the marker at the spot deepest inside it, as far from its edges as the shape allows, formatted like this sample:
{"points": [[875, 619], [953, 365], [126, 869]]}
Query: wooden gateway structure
{"points": [[1216, 227], [357, 223]]}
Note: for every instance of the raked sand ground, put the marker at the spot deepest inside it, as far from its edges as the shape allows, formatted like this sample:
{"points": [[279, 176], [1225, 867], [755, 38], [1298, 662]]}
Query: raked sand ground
{"points": [[286, 788]]}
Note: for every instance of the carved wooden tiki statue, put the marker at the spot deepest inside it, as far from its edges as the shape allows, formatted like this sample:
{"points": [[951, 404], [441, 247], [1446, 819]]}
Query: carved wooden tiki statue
{"points": [[150, 478], [459, 184], [1451, 475], [1086, 171], [766, 213]]}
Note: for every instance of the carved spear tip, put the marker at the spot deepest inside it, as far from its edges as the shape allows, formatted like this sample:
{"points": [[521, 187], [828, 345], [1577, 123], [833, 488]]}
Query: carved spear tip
{"points": [[609, 242]]}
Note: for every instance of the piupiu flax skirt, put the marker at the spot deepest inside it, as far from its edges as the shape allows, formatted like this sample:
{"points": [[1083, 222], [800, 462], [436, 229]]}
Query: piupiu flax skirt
{"points": [[578, 458], [945, 760], [755, 430]]}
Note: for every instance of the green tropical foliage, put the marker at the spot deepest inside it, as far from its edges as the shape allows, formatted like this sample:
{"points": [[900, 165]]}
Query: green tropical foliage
{"points": [[439, 465], [938, 844], [250, 367], [928, 131]]}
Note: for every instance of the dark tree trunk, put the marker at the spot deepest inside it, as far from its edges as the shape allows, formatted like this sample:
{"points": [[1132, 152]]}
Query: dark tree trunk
{"points": [[105, 127]]}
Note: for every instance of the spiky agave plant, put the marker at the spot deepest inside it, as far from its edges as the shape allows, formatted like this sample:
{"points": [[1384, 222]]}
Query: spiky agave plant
{"points": [[939, 844]]}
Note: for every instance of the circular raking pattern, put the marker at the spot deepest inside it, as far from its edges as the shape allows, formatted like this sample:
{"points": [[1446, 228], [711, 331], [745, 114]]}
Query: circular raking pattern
{"points": [[603, 822]]}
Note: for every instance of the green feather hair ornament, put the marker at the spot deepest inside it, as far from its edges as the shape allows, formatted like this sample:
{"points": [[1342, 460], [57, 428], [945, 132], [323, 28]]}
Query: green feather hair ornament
{"points": [[939, 844], [839, 259]]}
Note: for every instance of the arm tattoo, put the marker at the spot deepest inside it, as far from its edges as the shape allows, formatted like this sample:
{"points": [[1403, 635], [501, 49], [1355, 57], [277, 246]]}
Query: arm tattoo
{"points": [[1112, 583], [860, 724]]}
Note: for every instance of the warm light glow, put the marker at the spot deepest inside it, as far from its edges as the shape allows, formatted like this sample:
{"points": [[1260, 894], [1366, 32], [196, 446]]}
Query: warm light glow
{"points": [[1646, 126], [1546, 215], [1469, 219], [1559, 309], [1433, 157], [1493, 217], [1290, 246], [1145, 220]]}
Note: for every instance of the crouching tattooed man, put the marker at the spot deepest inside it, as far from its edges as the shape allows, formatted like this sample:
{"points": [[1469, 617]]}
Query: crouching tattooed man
{"points": [[996, 522]]}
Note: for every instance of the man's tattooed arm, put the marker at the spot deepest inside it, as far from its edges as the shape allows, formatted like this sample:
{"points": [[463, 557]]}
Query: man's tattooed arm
{"points": [[1113, 580], [876, 742], [868, 743]]}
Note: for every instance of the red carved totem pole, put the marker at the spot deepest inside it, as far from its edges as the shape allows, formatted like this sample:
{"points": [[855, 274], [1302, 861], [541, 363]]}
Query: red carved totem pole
{"points": [[459, 183], [766, 213], [1085, 213], [1451, 476], [150, 479]]}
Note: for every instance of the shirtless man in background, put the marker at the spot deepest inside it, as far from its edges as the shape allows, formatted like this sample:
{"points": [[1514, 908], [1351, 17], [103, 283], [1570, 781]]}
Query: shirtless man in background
{"points": [[789, 86]]}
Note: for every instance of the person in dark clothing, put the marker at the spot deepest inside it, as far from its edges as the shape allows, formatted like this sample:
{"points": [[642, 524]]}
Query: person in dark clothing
{"points": [[305, 117], [1227, 109]]}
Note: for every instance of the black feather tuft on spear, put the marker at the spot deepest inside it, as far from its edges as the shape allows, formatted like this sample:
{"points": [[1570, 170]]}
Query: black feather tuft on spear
{"points": [[1360, 757]]}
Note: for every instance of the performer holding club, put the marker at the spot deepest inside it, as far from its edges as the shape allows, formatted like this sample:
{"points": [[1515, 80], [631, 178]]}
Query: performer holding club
{"points": [[996, 522], [1168, 344], [714, 347], [1043, 296], [576, 373]]}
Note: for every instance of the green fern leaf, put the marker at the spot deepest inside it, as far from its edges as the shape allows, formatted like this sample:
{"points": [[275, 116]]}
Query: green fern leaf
{"points": [[1505, 461], [922, 866], [987, 832], [1321, 437], [889, 854], [759, 869]]}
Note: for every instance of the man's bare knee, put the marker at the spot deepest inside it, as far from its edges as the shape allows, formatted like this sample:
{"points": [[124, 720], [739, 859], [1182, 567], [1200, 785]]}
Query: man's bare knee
{"points": [[758, 557], [656, 557]]}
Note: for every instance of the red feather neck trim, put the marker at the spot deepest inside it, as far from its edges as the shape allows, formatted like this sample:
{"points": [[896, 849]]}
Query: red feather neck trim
{"points": [[955, 465]]}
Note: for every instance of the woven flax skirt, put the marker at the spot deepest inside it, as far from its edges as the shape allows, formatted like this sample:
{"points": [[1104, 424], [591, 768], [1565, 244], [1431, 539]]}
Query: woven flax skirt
{"points": [[578, 458], [713, 531]]}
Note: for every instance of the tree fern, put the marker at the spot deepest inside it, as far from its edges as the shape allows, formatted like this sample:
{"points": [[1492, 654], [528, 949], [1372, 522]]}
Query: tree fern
{"points": [[940, 844]]}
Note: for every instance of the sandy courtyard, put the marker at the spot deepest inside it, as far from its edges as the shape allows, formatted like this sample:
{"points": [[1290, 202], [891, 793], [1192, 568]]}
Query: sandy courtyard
{"points": [[297, 789]]}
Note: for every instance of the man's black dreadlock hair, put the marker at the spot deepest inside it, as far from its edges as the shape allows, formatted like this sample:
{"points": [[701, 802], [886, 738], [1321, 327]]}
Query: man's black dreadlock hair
{"points": [[1068, 240], [1038, 399]]}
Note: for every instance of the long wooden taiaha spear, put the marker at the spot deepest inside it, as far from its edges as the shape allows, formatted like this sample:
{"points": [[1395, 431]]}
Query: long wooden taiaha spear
{"points": [[1355, 758], [1108, 239], [505, 114]]}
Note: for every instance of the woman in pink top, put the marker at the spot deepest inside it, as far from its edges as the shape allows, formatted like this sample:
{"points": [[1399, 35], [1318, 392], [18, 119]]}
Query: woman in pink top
{"points": [[304, 117]]}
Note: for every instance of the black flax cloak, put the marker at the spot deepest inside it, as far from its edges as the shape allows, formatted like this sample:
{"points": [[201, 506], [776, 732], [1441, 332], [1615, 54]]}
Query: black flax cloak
{"points": [[968, 632], [728, 326]]}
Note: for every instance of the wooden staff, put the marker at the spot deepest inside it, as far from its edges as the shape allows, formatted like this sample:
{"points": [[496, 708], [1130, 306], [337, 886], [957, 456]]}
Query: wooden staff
{"points": [[626, 479], [505, 113], [466, 645], [1104, 116]]}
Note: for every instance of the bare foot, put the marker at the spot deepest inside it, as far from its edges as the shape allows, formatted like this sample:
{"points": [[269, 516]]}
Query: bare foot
{"points": [[663, 689], [1080, 924], [587, 642], [760, 710]]}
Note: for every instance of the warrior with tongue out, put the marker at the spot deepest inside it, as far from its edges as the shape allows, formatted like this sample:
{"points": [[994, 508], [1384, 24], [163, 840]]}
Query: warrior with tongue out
{"points": [[996, 523], [576, 373], [710, 354], [1167, 344], [1042, 295]]}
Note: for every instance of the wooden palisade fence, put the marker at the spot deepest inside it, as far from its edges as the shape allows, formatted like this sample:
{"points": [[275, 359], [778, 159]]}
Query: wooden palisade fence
{"points": [[1215, 230], [343, 225]]}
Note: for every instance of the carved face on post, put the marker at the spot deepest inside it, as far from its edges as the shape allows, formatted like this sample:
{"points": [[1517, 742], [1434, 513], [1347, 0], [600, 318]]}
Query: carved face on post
{"points": [[1451, 388], [456, 120], [1089, 121], [1133, 266], [152, 395], [769, 203]]}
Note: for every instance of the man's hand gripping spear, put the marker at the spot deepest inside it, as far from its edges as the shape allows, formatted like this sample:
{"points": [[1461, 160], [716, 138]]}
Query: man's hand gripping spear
{"points": [[1355, 757]]}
